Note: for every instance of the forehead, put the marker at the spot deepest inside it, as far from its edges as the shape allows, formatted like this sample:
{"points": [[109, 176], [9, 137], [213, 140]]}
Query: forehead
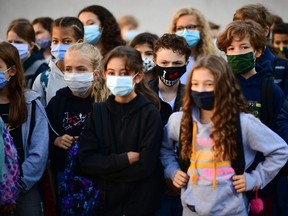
{"points": [[58, 32], [75, 57], [169, 55], [13, 36], [202, 75], [84, 17], [186, 20], [280, 37], [240, 40]]}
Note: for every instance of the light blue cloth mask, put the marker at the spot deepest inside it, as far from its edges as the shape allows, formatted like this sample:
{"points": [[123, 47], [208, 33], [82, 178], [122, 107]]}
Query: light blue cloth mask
{"points": [[58, 51], [92, 34], [191, 37]]}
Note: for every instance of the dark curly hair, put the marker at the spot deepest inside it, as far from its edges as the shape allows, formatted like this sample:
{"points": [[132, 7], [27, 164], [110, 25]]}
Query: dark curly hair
{"points": [[173, 42], [111, 36], [228, 103]]}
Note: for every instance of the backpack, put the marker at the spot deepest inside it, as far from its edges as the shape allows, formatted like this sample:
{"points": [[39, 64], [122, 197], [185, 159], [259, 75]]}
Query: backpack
{"points": [[80, 195], [10, 171], [31, 72], [267, 101], [44, 77]]}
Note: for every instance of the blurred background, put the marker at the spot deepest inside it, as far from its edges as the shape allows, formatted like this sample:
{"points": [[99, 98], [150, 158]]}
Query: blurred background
{"points": [[153, 15]]}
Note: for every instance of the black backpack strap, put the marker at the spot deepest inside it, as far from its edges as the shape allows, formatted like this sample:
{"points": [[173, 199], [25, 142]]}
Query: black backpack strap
{"points": [[32, 121], [238, 164], [267, 101]]}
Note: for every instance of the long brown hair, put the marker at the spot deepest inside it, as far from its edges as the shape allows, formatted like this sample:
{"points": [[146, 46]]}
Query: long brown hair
{"points": [[228, 103], [133, 62], [17, 111]]}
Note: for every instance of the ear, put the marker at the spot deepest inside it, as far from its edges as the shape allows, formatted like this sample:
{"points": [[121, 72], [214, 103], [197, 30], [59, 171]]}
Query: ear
{"points": [[267, 31], [258, 53], [31, 46], [80, 41], [139, 77], [12, 71]]}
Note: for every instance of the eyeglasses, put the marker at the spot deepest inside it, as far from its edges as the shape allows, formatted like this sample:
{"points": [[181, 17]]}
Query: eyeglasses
{"points": [[189, 28]]}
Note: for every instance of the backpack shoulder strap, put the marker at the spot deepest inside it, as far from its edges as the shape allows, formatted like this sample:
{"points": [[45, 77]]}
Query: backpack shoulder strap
{"points": [[267, 90], [31, 71], [238, 163], [280, 67], [32, 121]]}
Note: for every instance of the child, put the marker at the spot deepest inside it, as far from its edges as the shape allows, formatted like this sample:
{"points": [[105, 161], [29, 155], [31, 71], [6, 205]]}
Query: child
{"points": [[71, 106], [191, 24], [145, 43], [27, 122], [171, 54], [65, 32], [121, 142], [217, 152]]}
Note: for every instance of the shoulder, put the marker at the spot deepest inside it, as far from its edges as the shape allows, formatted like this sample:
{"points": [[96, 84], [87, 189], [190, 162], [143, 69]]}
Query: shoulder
{"points": [[31, 95]]}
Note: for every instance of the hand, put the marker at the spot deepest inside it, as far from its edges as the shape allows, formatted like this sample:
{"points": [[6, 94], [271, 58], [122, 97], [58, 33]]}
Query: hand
{"points": [[133, 157], [239, 183], [65, 141], [180, 179]]}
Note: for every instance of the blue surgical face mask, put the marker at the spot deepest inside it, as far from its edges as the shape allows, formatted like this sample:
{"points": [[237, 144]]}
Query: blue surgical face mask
{"points": [[191, 37], [58, 51], [120, 85], [3, 80], [92, 34], [23, 50], [43, 43]]}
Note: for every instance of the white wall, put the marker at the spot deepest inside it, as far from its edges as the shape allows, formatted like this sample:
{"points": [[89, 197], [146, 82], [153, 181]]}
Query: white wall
{"points": [[153, 15]]}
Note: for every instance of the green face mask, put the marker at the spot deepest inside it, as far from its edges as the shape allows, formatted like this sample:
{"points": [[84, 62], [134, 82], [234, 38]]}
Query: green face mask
{"points": [[242, 63]]}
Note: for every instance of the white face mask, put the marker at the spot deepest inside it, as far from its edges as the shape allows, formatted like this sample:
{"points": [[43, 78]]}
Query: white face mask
{"points": [[120, 85], [79, 83]]}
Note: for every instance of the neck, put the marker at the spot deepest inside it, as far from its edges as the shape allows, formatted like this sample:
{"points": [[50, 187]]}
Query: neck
{"points": [[3, 96], [205, 116], [249, 74], [127, 98]]}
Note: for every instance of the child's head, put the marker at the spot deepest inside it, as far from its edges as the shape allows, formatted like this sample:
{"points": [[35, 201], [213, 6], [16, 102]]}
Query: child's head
{"points": [[128, 25], [43, 32], [212, 74], [14, 89], [256, 12], [191, 24], [83, 71], [21, 34], [144, 43], [65, 31], [240, 30], [280, 36], [171, 53]]}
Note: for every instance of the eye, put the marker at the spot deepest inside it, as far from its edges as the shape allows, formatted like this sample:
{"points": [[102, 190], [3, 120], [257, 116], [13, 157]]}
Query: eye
{"points": [[230, 48], [54, 42], [179, 28], [110, 73], [67, 41], [192, 27]]}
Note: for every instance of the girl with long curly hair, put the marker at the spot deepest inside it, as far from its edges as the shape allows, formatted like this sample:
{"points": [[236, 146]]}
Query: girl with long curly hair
{"points": [[217, 140]]}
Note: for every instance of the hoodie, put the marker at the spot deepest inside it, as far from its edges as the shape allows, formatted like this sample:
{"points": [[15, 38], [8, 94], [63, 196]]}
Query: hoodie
{"points": [[67, 115], [112, 132], [202, 193]]}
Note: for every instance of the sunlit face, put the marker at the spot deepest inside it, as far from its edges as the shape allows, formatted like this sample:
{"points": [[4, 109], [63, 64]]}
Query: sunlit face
{"points": [[280, 40], [40, 32], [168, 58], [187, 21], [89, 18], [145, 50], [63, 35], [239, 46], [77, 62], [202, 80]]}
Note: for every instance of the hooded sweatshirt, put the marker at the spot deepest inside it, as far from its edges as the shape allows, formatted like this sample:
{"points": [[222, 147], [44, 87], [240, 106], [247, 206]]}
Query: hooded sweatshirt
{"points": [[108, 136], [67, 115], [212, 191]]}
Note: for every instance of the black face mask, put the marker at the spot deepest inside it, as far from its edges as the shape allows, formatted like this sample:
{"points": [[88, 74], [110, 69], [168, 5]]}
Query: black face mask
{"points": [[203, 100], [170, 75]]}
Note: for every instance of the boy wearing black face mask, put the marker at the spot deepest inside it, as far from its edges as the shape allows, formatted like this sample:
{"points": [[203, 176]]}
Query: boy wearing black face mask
{"points": [[243, 42], [171, 53]]}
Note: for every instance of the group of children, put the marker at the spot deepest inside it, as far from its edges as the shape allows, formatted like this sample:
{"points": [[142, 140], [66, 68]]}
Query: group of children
{"points": [[163, 126]]}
